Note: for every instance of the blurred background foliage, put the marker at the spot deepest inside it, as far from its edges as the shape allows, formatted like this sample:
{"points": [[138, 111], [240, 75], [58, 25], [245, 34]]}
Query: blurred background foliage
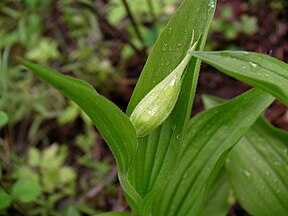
{"points": [[53, 161]]}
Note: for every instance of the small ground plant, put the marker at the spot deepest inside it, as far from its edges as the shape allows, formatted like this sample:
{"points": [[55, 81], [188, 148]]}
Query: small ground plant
{"points": [[172, 165]]}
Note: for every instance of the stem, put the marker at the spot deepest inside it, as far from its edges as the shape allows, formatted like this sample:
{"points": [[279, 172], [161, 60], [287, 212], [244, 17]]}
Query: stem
{"points": [[4, 70], [134, 24], [152, 11]]}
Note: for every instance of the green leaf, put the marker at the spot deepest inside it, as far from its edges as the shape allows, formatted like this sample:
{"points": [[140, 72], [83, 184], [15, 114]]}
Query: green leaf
{"points": [[67, 175], [43, 50], [113, 124], [257, 167], [34, 157], [5, 199], [157, 152], [71, 210], [115, 214], [3, 119], [69, 114], [217, 199], [26, 190], [262, 150], [256, 69], [210, 137]]}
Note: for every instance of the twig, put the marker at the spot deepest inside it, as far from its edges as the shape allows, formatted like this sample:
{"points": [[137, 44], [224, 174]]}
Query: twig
{"points": [[152, 12], [111, 30], [134, 24], [99, 187]]}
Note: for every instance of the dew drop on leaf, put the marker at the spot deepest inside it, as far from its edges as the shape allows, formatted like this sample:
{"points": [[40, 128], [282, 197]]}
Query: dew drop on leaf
{"points": [[164, 47], [254, 65], [247, 174], [173, 127], [277, 162], [170, 31], [211, 4]]}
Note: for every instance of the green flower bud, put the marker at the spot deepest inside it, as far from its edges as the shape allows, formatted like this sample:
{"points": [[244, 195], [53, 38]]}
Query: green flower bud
{"points": [[158, 104]]}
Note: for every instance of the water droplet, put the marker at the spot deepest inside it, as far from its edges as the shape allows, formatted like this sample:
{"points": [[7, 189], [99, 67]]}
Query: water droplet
{"points": [[211, 4], [245, 52], [254, 65], [170, 31], [266, 75], [153, 81], [246, 173], [185, 176], [277, 162], [174, 127], [227, 160], [178, 136], [267, 173], [153, 111], [164, 47], [172, 83]]}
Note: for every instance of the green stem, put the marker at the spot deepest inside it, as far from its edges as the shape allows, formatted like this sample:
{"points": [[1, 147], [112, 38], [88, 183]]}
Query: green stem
{"points": [[4, 74]]}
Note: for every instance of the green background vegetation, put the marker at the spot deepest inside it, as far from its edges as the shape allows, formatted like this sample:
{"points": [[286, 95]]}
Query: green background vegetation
{"points": [[53, 160]]}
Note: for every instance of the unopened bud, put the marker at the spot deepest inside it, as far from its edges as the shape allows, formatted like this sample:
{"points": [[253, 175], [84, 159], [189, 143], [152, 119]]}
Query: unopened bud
{"points": [[158, 104]]}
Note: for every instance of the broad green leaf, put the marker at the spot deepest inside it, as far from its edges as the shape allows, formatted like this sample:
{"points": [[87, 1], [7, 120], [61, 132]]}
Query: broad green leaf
{"points": [[217, 203], [115, 214], [217, 200], [113, 124], [256, 69], [5, 199], [26, 190], [210, 137], [258, 167], [157, 152], [3, 119], [262, 150]]}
